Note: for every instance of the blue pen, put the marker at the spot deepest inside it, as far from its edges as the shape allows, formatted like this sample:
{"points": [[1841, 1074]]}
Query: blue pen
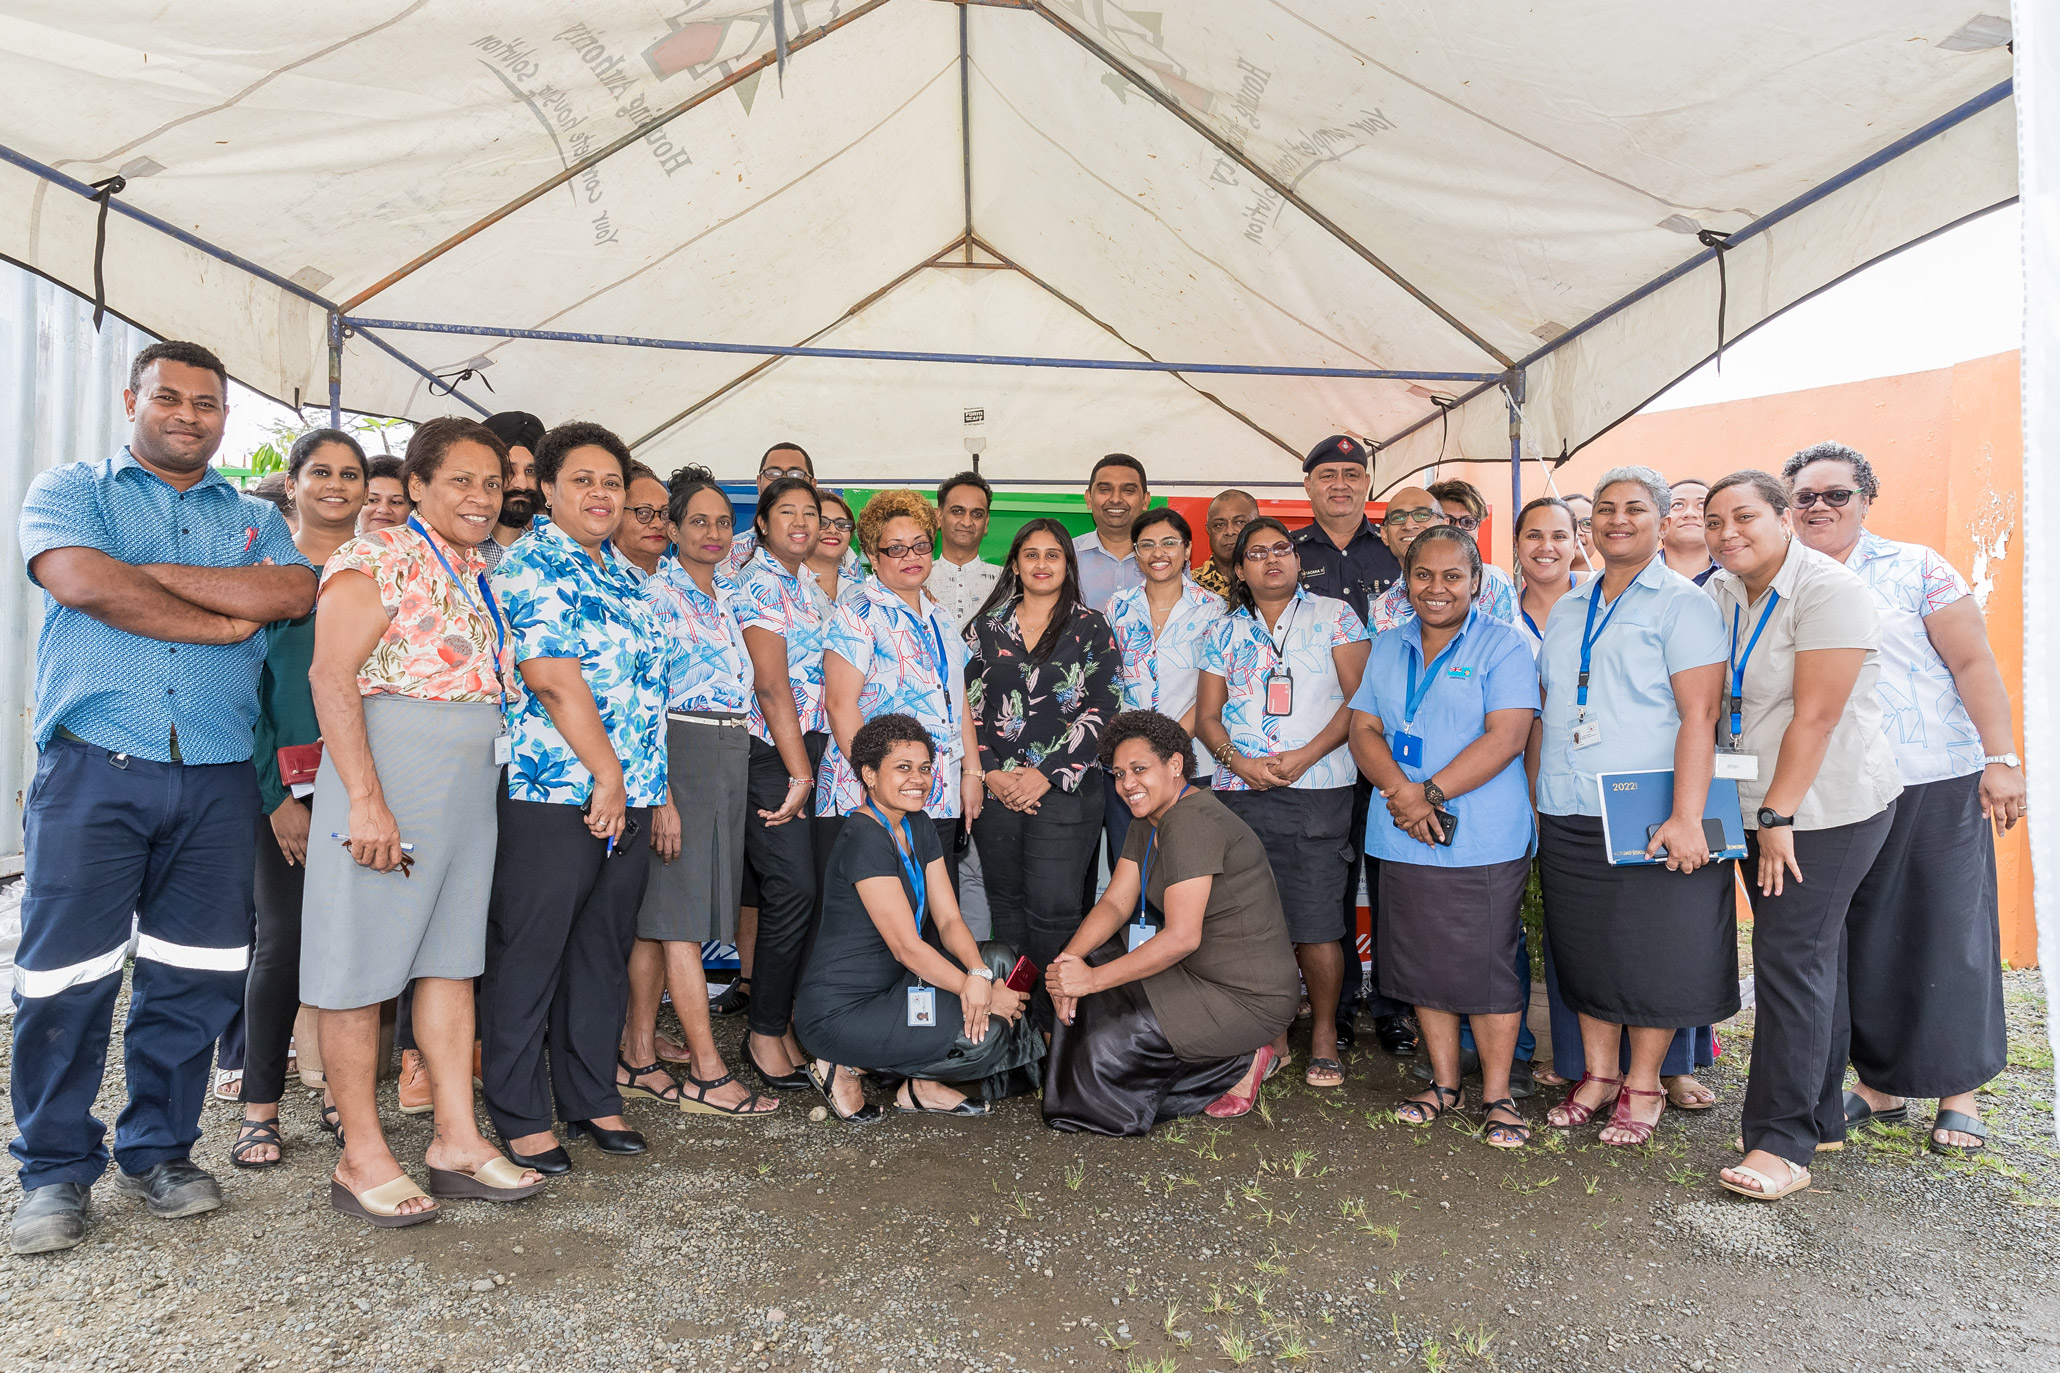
{"points": [[405, 848]]}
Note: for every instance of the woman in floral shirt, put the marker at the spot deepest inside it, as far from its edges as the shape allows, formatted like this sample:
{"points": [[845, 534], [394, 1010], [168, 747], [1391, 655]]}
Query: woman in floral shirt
{"points": [[587, 769], [1043, 681]]}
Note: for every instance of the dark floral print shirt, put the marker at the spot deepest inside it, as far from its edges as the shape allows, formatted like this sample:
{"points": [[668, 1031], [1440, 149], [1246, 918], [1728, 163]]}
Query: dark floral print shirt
{"points": [[1046, 715]]}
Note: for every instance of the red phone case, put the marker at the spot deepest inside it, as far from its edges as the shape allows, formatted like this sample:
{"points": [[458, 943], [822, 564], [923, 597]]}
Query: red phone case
{"points": [[298, 763], [1023, 976]]}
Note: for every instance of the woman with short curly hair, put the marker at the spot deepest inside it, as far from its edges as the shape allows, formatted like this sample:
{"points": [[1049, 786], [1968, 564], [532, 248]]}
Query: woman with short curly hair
{"points": [[890, 648]]}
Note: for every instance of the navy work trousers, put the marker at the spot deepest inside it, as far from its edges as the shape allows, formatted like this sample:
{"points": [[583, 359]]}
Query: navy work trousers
{"points": [[111, 837]]}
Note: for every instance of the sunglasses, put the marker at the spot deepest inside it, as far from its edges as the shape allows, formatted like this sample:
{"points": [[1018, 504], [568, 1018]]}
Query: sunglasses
{"points": [[921, 547], [646, 514], [1395, 519], [1259, 553], [1835, 499]]}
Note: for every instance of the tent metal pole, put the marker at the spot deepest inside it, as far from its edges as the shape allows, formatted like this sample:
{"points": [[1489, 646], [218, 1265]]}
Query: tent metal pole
{"points": [[335, 370], [1514, 390], [637, 134], [450, 387], [895, 355], [1954, 117], [1271, 182], [965, 125]]}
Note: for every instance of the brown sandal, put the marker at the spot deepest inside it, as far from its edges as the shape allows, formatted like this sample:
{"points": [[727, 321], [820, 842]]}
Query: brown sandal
{"points": [[1578, 1114], [1620, 1119]]}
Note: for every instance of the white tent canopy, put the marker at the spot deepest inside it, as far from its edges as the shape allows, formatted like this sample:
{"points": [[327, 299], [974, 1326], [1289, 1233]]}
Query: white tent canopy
{"points": [[1505, 193]]}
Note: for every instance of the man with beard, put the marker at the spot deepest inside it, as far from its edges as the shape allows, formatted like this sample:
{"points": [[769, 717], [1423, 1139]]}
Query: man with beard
{"points": [[520, 498]]}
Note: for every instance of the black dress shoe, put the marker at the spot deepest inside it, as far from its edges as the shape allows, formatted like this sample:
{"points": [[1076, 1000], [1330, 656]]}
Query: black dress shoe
{"points": [[1522, 1082], [551, 1162], [607, 1141], [1397, 1034], [1347, 1035], [177, 1187], [1469, 1066], [794, 1080], [50, 1217]]}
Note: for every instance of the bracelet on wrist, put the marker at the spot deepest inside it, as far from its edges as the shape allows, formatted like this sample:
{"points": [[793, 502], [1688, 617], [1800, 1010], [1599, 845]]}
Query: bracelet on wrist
{"points": [[793, 782], [1226, 752]]}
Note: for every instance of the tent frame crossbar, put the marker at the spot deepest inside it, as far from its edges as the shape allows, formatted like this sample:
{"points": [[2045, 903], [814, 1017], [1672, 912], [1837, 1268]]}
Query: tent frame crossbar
{"points": [[898, 355], [1874, 161]]}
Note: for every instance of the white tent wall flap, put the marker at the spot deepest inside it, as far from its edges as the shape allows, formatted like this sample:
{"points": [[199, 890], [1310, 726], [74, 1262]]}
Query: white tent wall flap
{"points": [[1449, 187]]}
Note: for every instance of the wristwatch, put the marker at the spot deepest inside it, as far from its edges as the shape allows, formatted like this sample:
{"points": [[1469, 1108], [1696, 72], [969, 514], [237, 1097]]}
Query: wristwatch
{"points": [[2008, 760], [987, 973], [1433, 793], [1770, 821]]}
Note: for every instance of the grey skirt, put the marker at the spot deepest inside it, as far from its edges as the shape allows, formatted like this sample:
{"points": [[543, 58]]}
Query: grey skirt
{"points": [[365, 935], [695, 896], [1448, 936]]}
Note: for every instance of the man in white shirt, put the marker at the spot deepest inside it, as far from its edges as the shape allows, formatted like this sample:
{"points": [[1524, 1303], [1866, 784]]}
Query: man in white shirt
{"points": [[961, 579], [1117, 493]]}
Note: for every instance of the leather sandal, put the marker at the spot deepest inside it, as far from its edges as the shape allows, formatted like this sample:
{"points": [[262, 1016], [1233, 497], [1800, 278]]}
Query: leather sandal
{"points": [[255, 1134], [1768, 1189], [332, 1122], [381, 1204], [1578, 1114], [668, 1095], [1858, 1113], [1620, 1119], [1325, 1069], [735, 997], [914, 1104], [699, 1104], [495, 1180], [1514, 1134], [824, 1081], [1444, 1101], [1959, 1123]]}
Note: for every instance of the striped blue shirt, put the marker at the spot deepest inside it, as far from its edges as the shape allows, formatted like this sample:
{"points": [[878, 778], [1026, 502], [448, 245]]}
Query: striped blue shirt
{"points": [[120, 690]]}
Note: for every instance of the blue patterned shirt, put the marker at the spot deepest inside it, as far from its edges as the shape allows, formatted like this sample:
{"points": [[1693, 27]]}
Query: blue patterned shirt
{"points": [[793, 607], [1163, 674], [1498, 599], [898, 654], [1921, 709], [1240, 649], [706, 665], [559, 603], [120, 690]]}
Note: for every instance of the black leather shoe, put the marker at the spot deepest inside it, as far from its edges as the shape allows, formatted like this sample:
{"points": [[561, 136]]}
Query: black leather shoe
{"points": [[1347, 1035], [1469, 1066], [177, 1187], [551, 1162], [607, 1141], [1397, 1034], [51, 1217], [793, 1081], [1522, 1083]]}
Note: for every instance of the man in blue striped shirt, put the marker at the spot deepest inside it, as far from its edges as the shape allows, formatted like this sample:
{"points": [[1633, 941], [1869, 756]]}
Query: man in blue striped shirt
{"points": [[158, 578]]}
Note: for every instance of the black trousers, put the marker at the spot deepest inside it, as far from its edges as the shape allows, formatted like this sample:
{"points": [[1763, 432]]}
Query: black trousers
{"points": [[559, 928], [1361, 990], [1798, 943], [784, 858], [271, 995], [1034, 865]]}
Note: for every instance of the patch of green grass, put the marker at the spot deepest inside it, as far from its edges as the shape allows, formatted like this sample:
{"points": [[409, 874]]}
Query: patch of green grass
{"points": [[1076, 1173], [1163, 1364], [1236, 1346]]}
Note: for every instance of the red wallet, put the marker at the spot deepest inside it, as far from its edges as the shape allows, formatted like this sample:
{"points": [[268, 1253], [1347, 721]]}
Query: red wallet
{"points": [[298, 764]]}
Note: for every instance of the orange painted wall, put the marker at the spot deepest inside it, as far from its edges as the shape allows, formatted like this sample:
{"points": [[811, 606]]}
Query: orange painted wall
{"points": [[1948, 447]]}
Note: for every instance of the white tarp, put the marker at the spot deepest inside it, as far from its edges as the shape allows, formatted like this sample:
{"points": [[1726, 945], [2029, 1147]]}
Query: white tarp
{"points": [[2038, 78], [1520, 168]]}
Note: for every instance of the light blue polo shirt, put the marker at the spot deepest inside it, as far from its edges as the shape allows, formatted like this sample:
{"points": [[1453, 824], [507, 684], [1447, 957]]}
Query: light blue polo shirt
{"points": [[1663, 624], [1491, 668]]}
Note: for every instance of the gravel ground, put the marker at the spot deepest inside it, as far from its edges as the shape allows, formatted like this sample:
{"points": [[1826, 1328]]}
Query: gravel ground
{"points": [[1325, 1235]]}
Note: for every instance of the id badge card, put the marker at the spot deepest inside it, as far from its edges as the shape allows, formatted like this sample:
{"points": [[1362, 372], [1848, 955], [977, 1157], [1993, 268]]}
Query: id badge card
{"points": [[1587, 733], [1138, 934], [1738, 767], [1408, 749], [1280, 694], [922, 1007], [504, 750]]}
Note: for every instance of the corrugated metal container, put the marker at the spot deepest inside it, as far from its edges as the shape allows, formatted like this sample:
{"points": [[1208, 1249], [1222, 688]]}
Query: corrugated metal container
{"points": [[61, 401]]}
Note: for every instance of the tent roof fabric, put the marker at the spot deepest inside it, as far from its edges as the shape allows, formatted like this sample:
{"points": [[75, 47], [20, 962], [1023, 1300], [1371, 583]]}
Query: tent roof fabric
{"points": [[1454, 186]]}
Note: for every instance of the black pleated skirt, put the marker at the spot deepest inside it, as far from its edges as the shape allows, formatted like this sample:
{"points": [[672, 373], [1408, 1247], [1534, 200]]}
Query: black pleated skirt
{"points": [[1111, 1072], [1637, 945], [1924, 955]]}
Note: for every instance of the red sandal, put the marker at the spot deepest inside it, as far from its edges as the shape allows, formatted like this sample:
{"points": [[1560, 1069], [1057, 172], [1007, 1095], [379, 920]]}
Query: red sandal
{"points": [[1620, 1119], [1576, 1113]]}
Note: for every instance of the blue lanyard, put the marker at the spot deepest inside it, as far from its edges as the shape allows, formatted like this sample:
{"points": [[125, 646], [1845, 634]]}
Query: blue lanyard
{"points": [[1536, 632], [914, 874], [1144, 885], [936, 638], [1590, 632], [486, 593], [1417, 691], [1736, 704]]}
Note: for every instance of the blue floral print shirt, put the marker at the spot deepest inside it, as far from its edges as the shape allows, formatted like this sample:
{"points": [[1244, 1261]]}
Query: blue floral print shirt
{"points": [[706, 665], [1163, 673], [900, 654], [1241, 651], [792, 606], [559, 603]]}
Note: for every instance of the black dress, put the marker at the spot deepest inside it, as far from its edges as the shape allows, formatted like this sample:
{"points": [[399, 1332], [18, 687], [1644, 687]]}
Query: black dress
{"points": [[852, 1007]]}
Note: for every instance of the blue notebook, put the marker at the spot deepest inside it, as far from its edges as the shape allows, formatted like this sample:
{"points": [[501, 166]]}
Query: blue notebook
{"points": [[1633, 802]]}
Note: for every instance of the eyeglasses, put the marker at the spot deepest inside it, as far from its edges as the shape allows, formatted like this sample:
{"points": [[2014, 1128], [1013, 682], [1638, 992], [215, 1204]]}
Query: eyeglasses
{"points": [[1395, 519], [1466, 524], [1584, 524], [1171, 545], [772, 474], [841, 526], [921, 548], [646, 514], [1258, 553], [1835, 499]]}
